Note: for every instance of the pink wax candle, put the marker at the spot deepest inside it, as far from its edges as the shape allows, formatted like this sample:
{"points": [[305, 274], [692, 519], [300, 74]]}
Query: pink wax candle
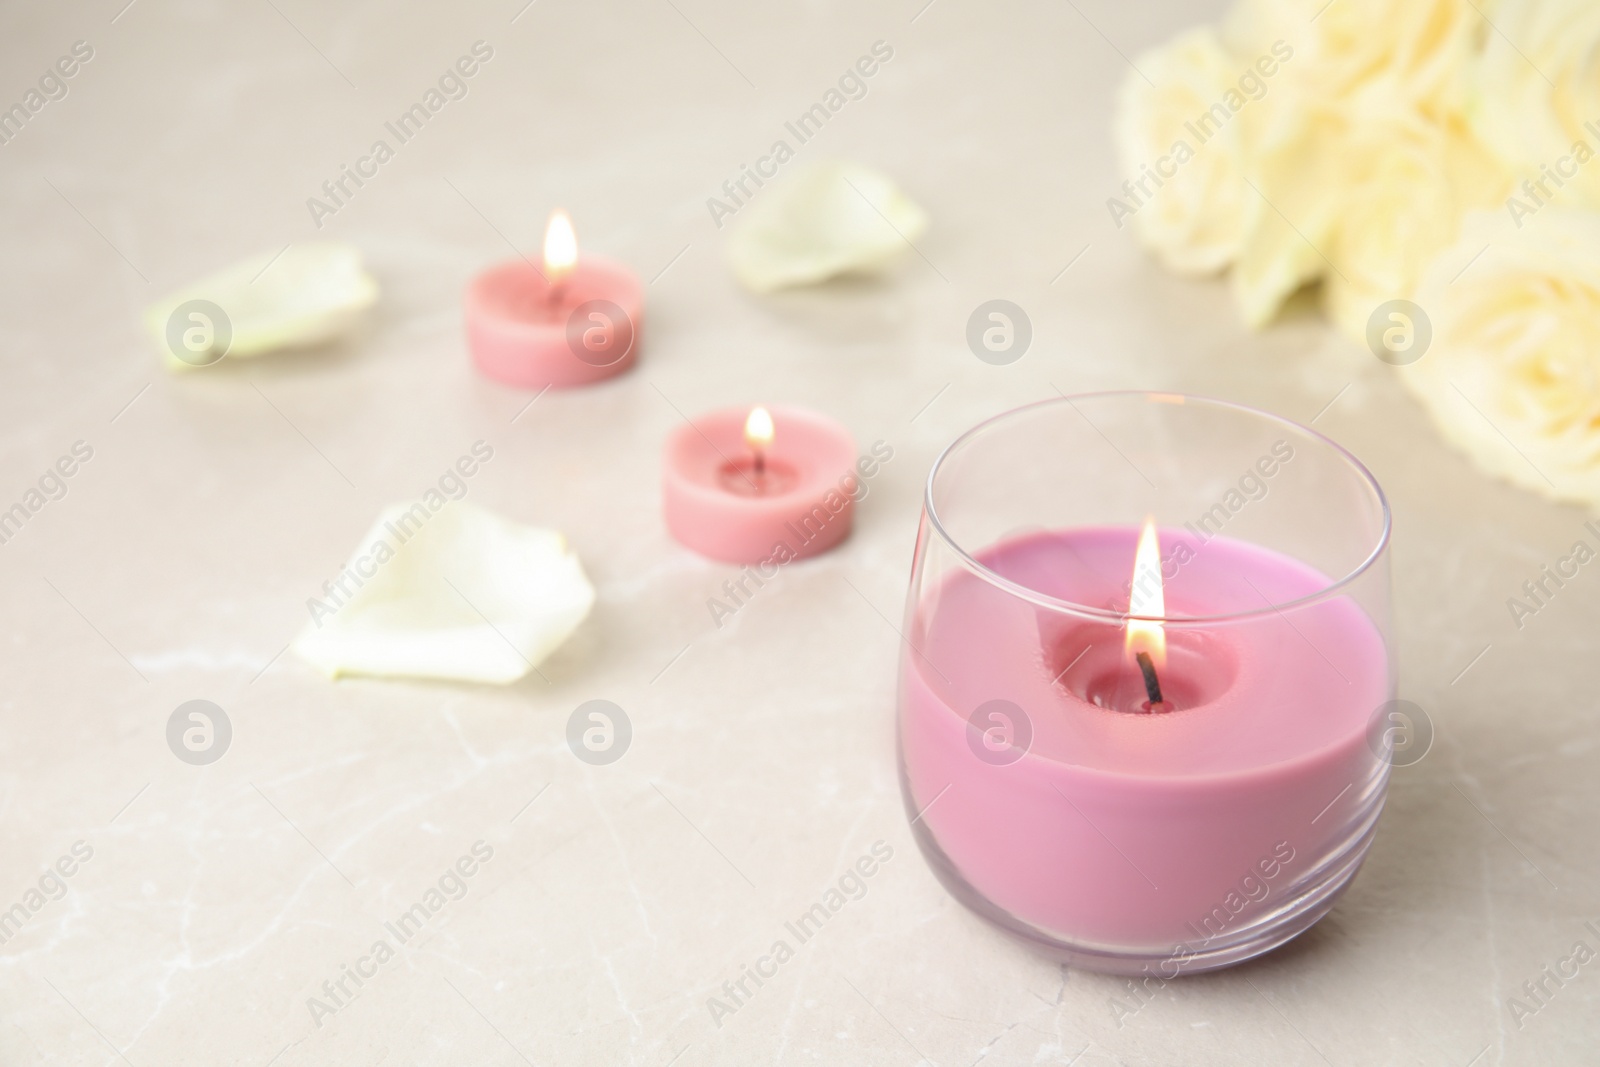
{"points": [[573, 321], [760, 486], [1054, 801]]}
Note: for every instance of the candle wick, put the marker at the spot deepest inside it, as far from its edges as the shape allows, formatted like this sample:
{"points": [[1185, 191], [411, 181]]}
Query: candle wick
{"points": [[1152, 684], [759, 463]]}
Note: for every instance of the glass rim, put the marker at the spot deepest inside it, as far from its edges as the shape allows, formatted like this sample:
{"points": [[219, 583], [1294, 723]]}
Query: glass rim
{"points": [[1331, 589]]}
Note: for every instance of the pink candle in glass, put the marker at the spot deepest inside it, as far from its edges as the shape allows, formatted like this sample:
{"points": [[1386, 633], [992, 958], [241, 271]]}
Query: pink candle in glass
{"points": [[573, 321], [1086, 818], [760, 486]]}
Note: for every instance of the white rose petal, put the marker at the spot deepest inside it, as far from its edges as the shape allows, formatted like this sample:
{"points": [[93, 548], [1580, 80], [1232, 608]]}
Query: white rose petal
{"points": [[309, 295], [1193, 219], [830, 219], [1513, 374], [460, 594]]}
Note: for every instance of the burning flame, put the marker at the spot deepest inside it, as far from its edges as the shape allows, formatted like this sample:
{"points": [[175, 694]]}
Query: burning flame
{"points": [[560, 247], [1147, 598], [758, 430]]}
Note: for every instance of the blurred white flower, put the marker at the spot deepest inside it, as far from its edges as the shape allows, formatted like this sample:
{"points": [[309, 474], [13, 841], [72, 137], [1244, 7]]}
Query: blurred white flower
{"points": [[1293, 210], [1183, 193], [1368, 55], [1406, 186], [1367, 169], [1378, 168], [1536, 102], [1513, 375], [1354, 167], [1362, 204]]}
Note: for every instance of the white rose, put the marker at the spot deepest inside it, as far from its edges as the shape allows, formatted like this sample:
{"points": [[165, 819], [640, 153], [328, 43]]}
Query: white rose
{"points": [[1411, 184], [1293, 209], [1547, 130], [1512, 377], [1184, 194], [1362, 204], [1373, 54]]}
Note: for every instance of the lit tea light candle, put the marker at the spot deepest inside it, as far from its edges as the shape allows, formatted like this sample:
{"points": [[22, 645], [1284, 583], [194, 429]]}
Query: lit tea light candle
{"points": [[560, 253], [749, 486], [571, 321], [758, 431]]}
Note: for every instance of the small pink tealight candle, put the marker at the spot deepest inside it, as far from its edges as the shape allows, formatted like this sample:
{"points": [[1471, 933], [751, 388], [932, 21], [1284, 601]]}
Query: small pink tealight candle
{"points": [[574, 322], [760, 486]]}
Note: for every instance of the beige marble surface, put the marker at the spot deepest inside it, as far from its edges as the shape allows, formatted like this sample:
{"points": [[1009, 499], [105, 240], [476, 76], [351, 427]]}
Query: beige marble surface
{"points": [[218, 899]]}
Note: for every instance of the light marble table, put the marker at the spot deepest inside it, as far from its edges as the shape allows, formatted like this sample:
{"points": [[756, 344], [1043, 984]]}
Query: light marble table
{"points": [[217, 900]]}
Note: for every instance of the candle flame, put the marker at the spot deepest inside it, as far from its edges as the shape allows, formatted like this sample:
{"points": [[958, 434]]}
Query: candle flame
{"points": [[1147, 599], [758, 429], [560, 247]]}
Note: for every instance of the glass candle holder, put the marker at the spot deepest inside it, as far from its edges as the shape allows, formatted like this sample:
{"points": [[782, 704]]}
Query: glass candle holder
{"points": [[1141, 693]]}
